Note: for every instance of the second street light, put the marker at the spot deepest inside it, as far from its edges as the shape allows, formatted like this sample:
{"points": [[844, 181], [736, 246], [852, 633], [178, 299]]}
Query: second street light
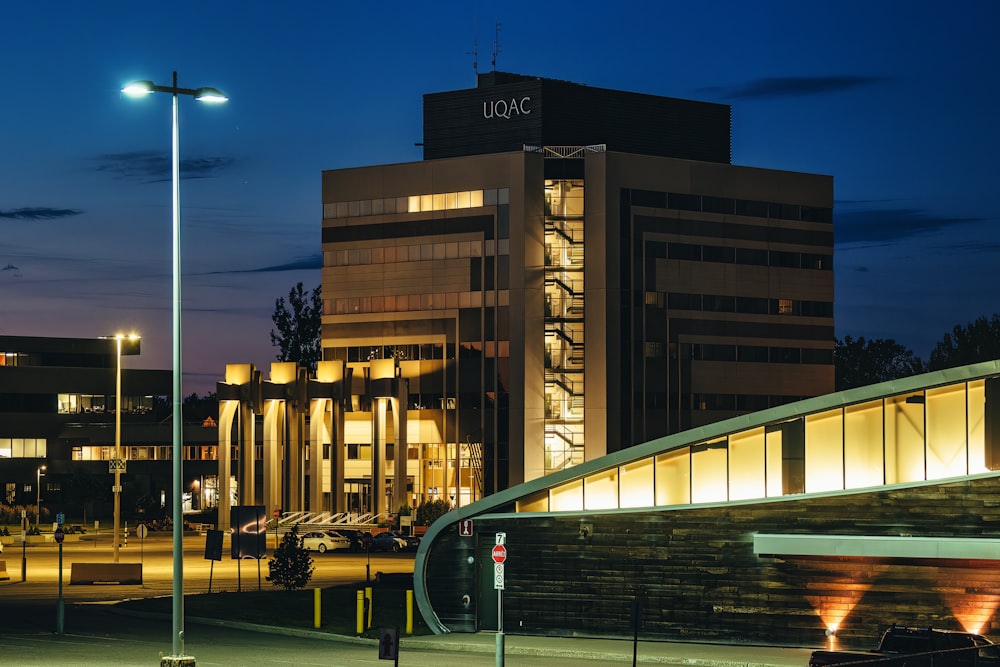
{"points": [[38, 495], [142, 88]]}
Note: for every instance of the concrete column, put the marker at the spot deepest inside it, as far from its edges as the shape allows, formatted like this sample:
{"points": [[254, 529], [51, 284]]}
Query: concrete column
{"points": [[320, 411], [379, 409], [274, 428], [227, 416]]}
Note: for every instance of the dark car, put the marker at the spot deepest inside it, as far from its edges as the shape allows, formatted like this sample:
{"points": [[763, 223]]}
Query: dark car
{"points": [[388, 541], [361, 540]]}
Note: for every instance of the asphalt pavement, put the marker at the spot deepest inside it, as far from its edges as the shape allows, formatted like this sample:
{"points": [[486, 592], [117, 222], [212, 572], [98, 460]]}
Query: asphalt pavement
{"points": [[98, 633]]}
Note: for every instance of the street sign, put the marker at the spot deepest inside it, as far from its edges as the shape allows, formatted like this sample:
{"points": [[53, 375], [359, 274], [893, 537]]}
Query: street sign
{"points": [[141, 531], [501, 538], [60, 518], [116, 464], [59, 535], [499, 554], [465, 528], [498, 583]]}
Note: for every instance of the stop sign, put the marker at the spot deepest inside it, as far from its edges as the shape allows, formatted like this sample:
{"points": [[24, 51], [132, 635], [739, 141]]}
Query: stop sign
{"points": [[499, 553]]}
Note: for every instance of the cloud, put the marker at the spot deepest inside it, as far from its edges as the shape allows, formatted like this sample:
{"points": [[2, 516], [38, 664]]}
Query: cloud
{"points": [[156, 166], [890, 225], [309, 262], [39, 213], [793, 86]]}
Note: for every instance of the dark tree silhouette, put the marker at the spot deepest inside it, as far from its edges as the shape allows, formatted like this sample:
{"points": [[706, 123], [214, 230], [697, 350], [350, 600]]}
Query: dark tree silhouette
{"points": [[291, 567], [862, 362], [298, 322], [977, 341]]}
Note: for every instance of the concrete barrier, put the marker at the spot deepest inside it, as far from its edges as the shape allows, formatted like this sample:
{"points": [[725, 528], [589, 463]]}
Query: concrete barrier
{"points": [[105, 573], [3, 571]]}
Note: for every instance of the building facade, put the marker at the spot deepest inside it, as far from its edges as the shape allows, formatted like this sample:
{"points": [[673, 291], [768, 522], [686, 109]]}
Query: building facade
{"points": [[569, 272], [58, 404], [819, 521]]}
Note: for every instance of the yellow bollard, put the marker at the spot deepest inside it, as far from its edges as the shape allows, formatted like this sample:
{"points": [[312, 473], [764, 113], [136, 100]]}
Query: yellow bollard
{"points": [[371, 603], [409, 612], [316, 607], [361, 612]]}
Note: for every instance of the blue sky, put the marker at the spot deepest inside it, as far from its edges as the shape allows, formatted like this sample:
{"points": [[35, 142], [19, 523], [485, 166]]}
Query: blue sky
{"points": [[895, 100]]}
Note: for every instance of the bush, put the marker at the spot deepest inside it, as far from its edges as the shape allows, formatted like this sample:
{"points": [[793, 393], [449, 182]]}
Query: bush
{"points": [[429, 511], [291, 567]]}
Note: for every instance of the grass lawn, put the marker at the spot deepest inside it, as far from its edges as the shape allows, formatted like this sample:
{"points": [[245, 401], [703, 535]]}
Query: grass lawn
{"points": [[294, 609]]}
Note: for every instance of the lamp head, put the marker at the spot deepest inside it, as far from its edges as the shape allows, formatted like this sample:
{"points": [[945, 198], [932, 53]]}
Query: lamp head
{"points": [[138, 88], [210, 95]]}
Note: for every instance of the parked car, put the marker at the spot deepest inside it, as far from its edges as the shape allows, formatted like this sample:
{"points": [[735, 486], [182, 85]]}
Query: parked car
{"points": [[361, 540], [412, 541], [323, 542], [921, 644], [388, 541]]}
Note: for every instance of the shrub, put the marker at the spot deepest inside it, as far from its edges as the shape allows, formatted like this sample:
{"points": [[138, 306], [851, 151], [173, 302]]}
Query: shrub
{"points": [[291, 567]]}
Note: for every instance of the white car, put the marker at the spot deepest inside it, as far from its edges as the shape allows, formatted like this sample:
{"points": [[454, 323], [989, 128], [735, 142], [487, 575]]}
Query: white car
{"points": [[323, 542]]}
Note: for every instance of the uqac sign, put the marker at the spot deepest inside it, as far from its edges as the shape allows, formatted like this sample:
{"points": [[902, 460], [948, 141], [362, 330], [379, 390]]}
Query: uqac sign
{"points": [[507, 109]]}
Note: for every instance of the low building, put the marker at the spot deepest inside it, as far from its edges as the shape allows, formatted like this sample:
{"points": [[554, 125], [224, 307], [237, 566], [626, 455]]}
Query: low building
{"points": [[58, 405], [834, 516]]}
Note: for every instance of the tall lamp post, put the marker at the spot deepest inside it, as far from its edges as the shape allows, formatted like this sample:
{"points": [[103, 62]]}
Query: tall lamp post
{"points": [[141, 88], [38, 494], [118, 463]]}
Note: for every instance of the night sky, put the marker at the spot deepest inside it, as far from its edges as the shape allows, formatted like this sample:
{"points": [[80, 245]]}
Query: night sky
{"points": [[896, 100]]}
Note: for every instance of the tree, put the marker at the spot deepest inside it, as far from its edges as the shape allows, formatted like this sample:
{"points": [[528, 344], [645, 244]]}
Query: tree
{"points": [[977, 341], [291, 566], [429, 510], [862, 362], [298, 322]]}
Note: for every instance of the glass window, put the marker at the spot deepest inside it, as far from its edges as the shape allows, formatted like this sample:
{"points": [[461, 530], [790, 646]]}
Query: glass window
{"points": [[684, 202], [946, 432], [863, 462], [752, 256], [600, 491], [746, 465], [673, 477], [636, 484], [824, 451], [977, 426], [714, 253], [709, 472], [567, 497], [904, 438]]}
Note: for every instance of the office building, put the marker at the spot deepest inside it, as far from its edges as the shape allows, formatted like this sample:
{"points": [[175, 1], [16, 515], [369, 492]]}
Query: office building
{"points": [[570, 271]]}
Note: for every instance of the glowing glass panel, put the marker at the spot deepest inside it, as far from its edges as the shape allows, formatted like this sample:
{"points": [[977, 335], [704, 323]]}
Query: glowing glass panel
{"points": [[709, 472], [904, 439], [977, 426], [773, 463], [825, 451], [567, 498], [946, 432], [746, 465], [635, 486], [673, 477], [863, 460], [600, 491]]}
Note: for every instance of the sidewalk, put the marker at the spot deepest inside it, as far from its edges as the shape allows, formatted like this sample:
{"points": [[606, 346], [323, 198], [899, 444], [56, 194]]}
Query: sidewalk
{"points": [[618, 650]]}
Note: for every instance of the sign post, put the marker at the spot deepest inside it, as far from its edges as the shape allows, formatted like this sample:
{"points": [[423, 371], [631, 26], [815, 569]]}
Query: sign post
{"points": [[499, 554], [24, 544], [60, 609]]}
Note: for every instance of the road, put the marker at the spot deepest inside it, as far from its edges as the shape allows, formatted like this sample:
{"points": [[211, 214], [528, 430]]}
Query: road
{"points": [[97, 633], [155, 554]]}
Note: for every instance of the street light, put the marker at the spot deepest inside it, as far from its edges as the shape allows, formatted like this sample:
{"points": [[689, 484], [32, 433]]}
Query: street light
{"points": [[118, 462], [141, 88], [38, 495]]}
